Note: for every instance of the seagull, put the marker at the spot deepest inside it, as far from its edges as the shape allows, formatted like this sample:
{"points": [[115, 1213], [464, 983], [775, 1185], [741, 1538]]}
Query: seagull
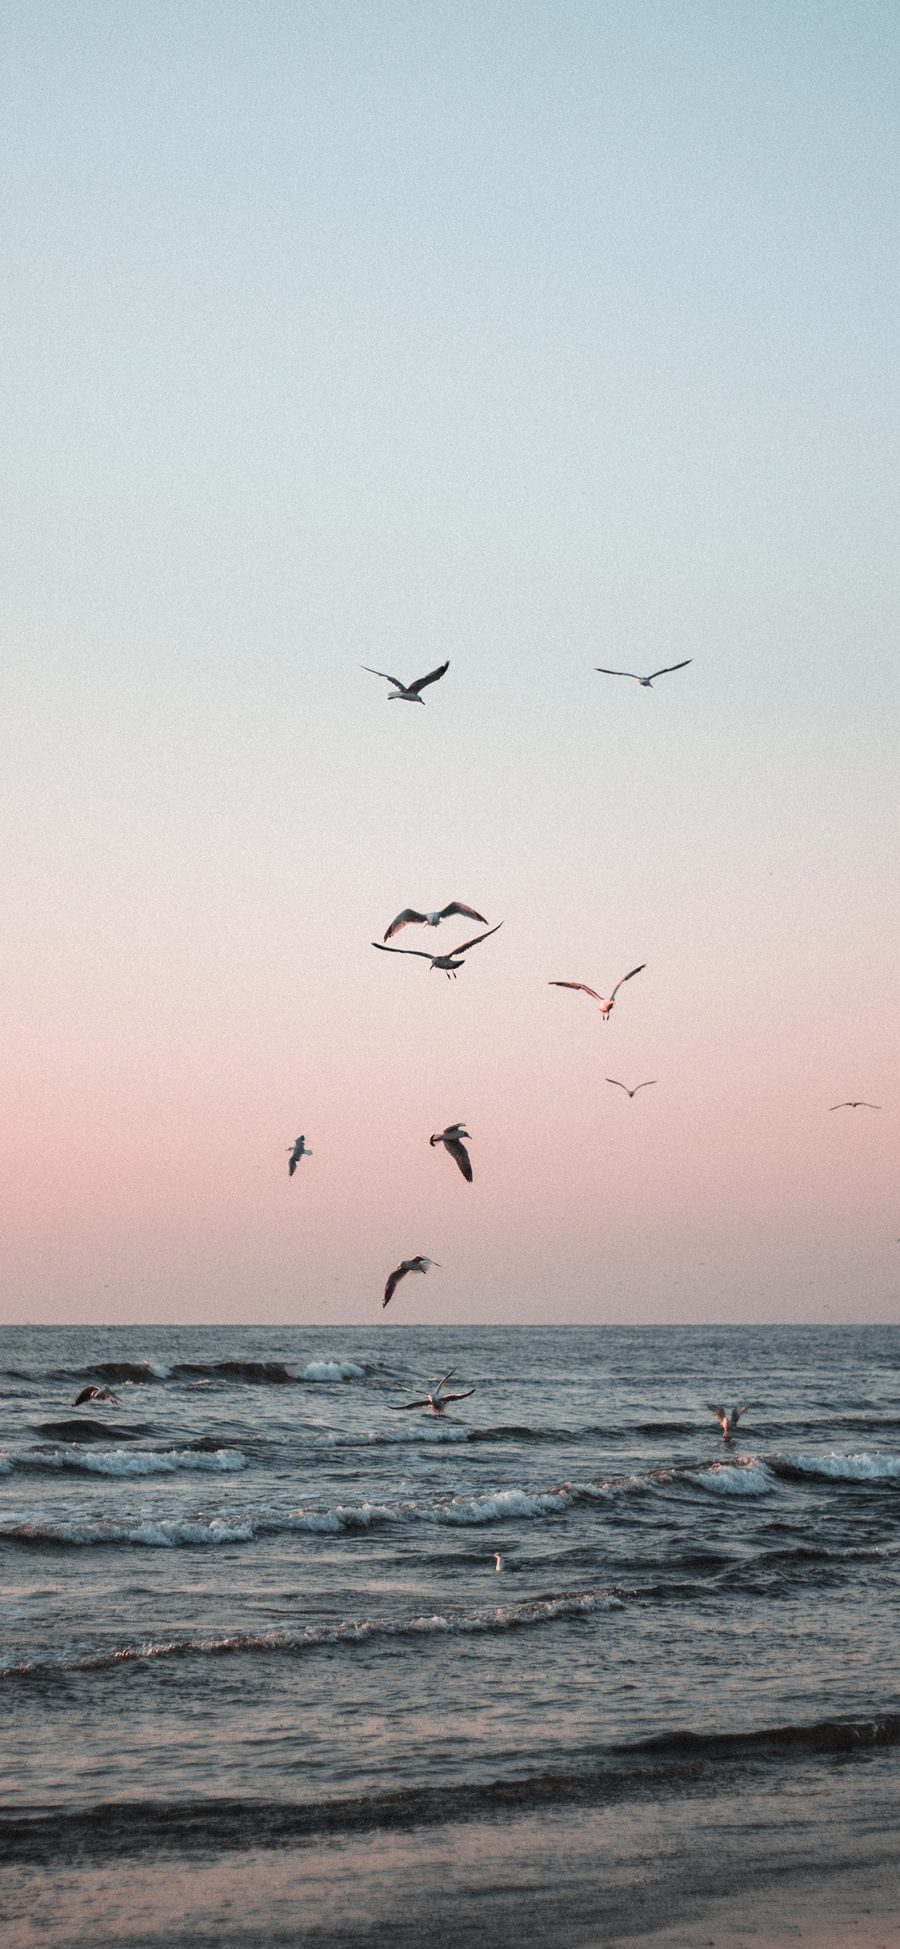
{"points": [[297, 1150], [93, 1393], [856, 1103], [638, 1086], [645, 682], [418, 1264], [498, 1561], [409, 693], [605, 1005], [436, 1402], [432, 920], [451, 1138], [449, 962], [727, 1422]]}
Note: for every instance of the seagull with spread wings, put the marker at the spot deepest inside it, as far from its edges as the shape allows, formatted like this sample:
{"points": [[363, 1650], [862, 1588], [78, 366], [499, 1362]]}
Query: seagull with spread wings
{"points": [[418, 1264], [451, 1138], [94, 1393], [605, 1003], [436, 1402], [411, 914], [646, 683], [638, 1086], [449, 962], [728, 1422], [297, 1150], [855, 1103], [408, 693]]}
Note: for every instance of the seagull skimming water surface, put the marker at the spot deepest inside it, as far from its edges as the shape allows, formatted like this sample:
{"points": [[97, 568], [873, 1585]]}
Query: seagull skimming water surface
{"points": [[727, 1422], [436, 1402]]}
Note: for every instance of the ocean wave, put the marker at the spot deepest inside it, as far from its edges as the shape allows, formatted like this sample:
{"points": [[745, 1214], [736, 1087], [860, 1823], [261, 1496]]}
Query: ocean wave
{"points": [[732, 1478], [332, 1370], [253, 1373], [840, 1468], [140, 1373], [94, 1431], [136, 1462]]}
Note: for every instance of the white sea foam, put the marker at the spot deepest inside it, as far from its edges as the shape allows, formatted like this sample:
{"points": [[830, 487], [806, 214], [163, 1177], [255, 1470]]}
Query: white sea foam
{"points": [[734, 1478], [130, 1462], [465, 1510], [849, 1468], [332, 1370]]}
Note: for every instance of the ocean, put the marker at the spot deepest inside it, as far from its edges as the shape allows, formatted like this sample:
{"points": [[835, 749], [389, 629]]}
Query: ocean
{"points": [[262, 1681]]}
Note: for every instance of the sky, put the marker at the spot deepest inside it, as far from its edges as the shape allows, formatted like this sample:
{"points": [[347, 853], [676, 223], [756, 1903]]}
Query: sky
{"points": [[535, 335]]}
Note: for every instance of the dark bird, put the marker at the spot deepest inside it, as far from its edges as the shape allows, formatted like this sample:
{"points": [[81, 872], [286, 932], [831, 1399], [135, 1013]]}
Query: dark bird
{"points": [[728, 1422], [411, 914], [436, 1402], [418, 1264], [451, 1138], [605, 1004], [93, 1393], [449, 962], [408, 693], [645, 682], [297, 1150], [856, 1103], [638, 1086]]}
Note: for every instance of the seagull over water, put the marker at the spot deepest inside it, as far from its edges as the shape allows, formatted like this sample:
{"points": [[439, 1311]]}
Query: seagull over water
{"points": [[451, 1138], [638, 1086], [855, 1103], [410, 914], [418, 1264], [408, 693], [449, 962], [297, 1150], [93, 1393], [645, 682], [727, 1422], [436, 1402], [605, 1005]]}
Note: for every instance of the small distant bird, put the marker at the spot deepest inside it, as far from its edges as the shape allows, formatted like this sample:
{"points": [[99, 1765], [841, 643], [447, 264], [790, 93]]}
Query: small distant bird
{"points": [[645, 682], [728, 1422], [451, 1138], [93, 1393], [410, 914], [605, 1005], [449, 962], [638, 1086], [408, 693], [436, 1402], [856, 1103], [297, 1150], [418, 1264], [498, 1561]]}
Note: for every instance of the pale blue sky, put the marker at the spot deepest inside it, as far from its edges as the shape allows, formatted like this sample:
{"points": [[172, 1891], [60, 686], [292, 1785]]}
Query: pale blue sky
{"points": [[538, 336]]}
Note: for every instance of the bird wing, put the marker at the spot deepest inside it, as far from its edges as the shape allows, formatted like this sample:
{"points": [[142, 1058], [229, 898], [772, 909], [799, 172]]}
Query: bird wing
{"points": [[431, 678], [392, 1281], [620, 984], [437, 1385], [86, 1394], [460, 1397], [614, 1079], [668, 667], [644, 1086], [611, 673], [461, 1156], [420, 951], [478, 937], [383, 673], [403, 920], [719, 1413], [582, 985], [401, 1407], [737, 1412], [459, 907]]}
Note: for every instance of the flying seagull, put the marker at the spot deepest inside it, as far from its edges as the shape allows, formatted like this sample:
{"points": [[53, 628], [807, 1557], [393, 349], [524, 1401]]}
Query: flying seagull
{"points": [[449, 962], [605, 1005], [727, 1422], [638, 1086], [409, 693], [297, 1150], [645, 682], [436, 1402], [451, 1138], [432, 920], [418, 1264], [855, 1103], [93, 1393]]}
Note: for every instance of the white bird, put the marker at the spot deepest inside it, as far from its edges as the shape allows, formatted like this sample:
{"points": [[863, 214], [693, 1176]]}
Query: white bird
{"points": [[645, 682], [728, 1422], [857, 1103], [297, 1150], [451, 1138], [605, 1004], [436, 1402], [408, 693], [418, 1264], [410, 914], [638, 1086], [498, 1561], [449, 962], [93, 1393]]}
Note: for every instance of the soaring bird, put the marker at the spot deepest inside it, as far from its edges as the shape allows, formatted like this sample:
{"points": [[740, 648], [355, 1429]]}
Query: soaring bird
{"points": [[297, 1150], [638, 1086], [449, 962], [432, 920], [451, 1138], [855, 1103], [436, 1402], [727, 1422], [408, 693], [93, 1393], [418, 1264], [645, 682], [605, 1005]]}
